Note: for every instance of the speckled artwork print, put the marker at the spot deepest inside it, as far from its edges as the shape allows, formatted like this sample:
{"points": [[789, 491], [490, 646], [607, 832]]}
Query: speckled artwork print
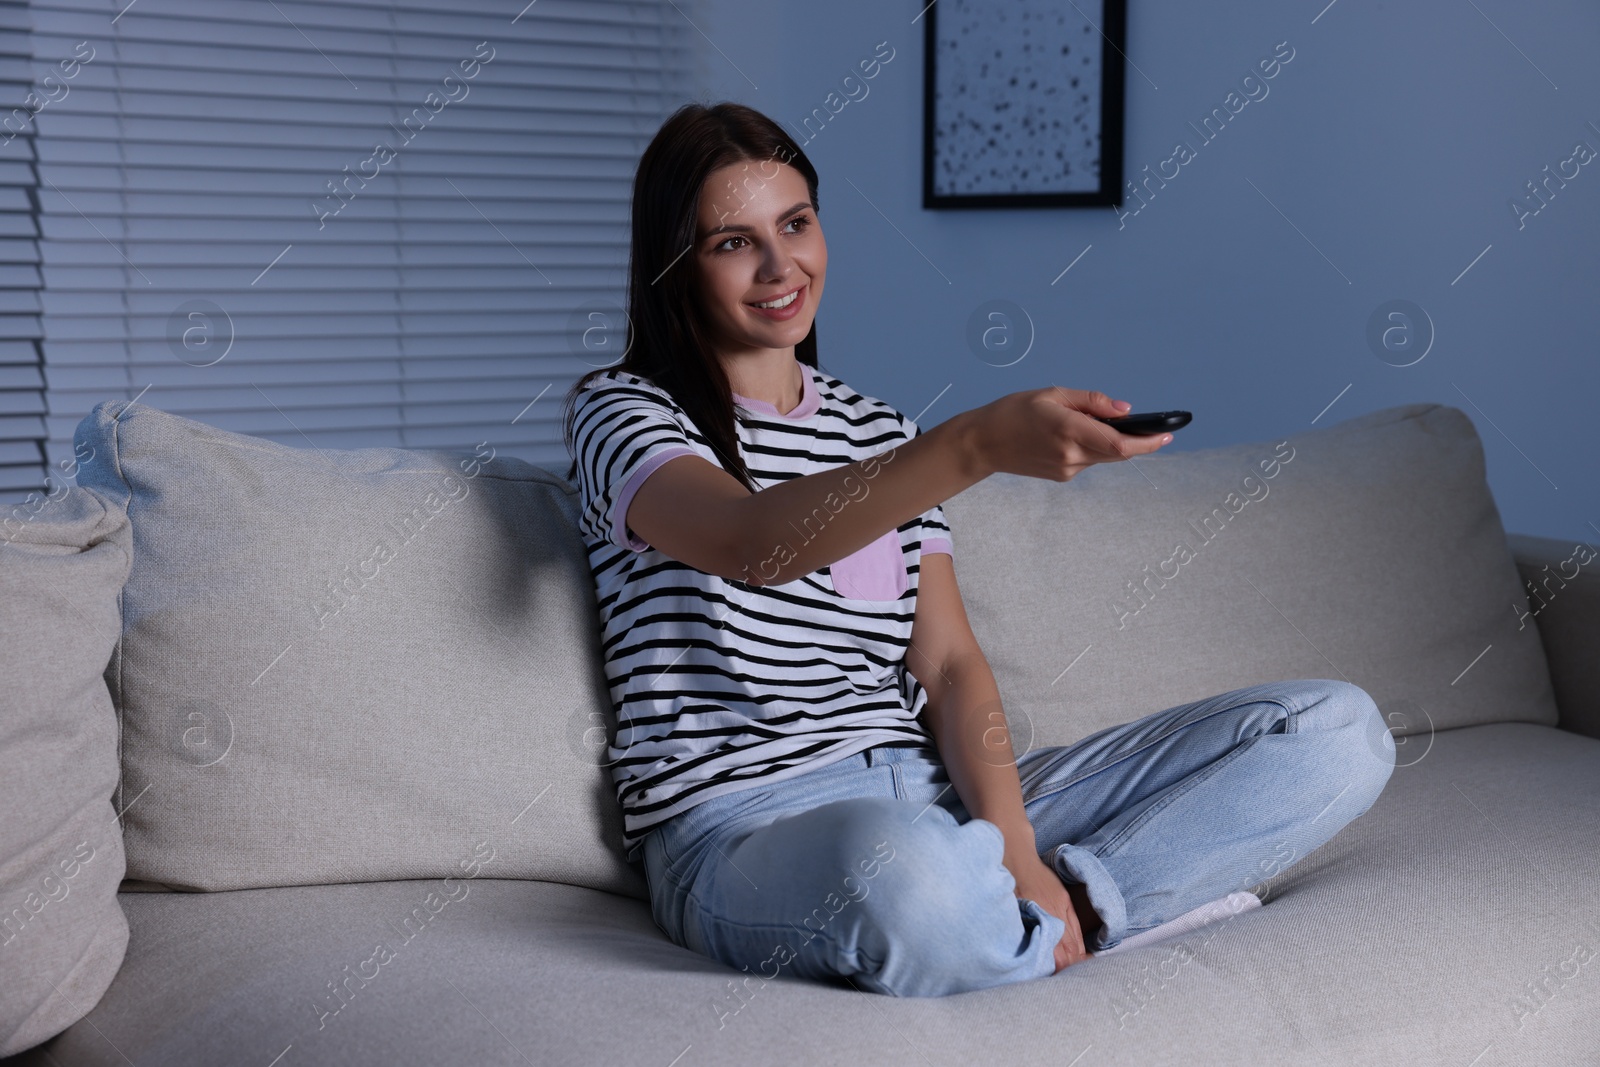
{"points": [[1018, 98]]}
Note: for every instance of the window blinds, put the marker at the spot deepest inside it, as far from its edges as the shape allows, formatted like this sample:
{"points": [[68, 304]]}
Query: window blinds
{"points": [[341, 224], [22, 399]]}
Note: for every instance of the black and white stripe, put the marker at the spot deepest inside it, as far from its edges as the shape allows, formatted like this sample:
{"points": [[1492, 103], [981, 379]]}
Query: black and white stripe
{"points": [[719, 685]]}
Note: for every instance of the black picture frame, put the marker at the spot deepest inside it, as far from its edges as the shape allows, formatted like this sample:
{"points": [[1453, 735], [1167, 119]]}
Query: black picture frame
{"points": [[1112, 38]]}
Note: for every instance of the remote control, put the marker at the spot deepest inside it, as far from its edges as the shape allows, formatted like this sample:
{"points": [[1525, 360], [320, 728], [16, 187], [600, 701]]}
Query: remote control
{"points": [[1145, 423]]}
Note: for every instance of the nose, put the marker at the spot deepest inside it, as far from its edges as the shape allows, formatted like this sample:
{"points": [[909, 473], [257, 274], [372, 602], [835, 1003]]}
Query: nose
{"points": [[777, 264]]}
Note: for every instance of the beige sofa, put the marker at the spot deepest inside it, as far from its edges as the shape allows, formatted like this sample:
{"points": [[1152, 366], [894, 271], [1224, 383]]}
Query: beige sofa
{"points": [[319, 736]]}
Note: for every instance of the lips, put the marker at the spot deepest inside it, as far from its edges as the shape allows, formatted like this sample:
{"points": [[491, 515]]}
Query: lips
{"points": [[798, 299], [775, 296]]}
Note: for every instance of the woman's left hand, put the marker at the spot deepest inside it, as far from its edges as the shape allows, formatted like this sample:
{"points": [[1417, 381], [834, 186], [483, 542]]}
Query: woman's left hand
{"points": [[1037, 882]]}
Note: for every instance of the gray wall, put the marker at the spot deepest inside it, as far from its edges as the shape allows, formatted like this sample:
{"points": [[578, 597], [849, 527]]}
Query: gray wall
{"points": [[1393, 139]]}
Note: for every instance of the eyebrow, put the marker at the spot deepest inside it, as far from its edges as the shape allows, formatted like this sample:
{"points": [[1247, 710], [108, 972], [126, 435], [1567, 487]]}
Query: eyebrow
{"points": [[737, 228]]}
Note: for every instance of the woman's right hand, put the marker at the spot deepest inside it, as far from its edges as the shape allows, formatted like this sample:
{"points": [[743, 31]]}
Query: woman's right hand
{"points": [[1054, 433], [1037, 881]]}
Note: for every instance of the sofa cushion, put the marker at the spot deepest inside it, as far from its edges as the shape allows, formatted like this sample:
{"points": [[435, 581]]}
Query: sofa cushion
{"points": [[342, 666], [1563, 583], [63, 558], [1458, 913], [1370, 550]]}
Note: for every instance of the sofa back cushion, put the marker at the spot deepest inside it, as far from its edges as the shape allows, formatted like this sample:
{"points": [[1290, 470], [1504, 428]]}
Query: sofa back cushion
{"points": [[1369, 551], [63, 558], [347, 666]]}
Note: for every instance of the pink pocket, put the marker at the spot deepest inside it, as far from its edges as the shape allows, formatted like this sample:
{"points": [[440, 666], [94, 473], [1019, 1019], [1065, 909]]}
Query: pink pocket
{"points": [[874, 572]]}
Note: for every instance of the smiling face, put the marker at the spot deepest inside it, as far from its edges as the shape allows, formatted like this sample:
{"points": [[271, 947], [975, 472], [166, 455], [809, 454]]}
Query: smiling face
{"points": [[757, 239]]}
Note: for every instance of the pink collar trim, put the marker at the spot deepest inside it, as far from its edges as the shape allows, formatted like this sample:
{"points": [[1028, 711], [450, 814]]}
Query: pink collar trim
{"points": [[810, 399]]}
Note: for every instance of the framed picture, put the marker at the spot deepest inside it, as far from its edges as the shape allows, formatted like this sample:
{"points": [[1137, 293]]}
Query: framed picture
{"points": [[1022, 103]]}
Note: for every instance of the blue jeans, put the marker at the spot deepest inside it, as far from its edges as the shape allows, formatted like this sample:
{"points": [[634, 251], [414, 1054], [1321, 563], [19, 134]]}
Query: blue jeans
{"points": [[870, 870]]}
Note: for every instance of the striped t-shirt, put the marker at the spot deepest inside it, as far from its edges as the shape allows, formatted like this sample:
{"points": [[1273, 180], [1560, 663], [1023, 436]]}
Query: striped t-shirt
{"points": [[720, 685]]}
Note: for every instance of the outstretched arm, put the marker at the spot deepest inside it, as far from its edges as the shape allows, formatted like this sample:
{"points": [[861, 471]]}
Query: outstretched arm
{"points": [[969, 727], [699, 514]]}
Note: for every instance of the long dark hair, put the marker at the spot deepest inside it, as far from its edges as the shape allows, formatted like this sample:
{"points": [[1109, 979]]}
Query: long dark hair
{"points": [[667, 331]]}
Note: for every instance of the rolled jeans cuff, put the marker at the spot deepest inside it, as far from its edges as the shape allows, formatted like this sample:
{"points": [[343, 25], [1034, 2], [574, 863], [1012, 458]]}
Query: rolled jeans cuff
{"points": [[1050, 930], [1080, 865]]}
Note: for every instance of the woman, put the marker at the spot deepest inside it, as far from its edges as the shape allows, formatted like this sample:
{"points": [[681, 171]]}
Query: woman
{"points": [[807, 753]]}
